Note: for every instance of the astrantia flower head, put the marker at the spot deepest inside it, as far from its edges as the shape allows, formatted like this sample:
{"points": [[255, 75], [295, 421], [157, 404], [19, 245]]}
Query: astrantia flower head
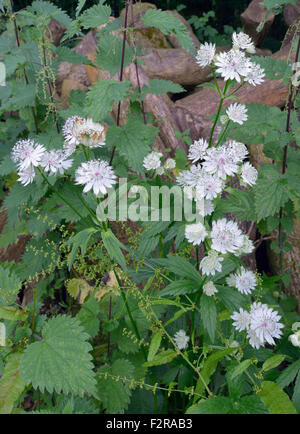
{"points": [[206, 54], [241, 320], [295, 339], [232, 65], [160, 171], [255, 74], [192, 177], [80, 131], [249, 174], [195, 233], [211, 263], [205, 207], [170, 164], [237, 113], [26, 176], [245, 281], [152, 161], [96, 175], [212, 186], [230, 280], [238, 151], [226, 236], [209, 289], [27, 153], [55, 161], [246, 248], [264, 322], [218, 161], [241, 41], [197, 150], [181, 339]]}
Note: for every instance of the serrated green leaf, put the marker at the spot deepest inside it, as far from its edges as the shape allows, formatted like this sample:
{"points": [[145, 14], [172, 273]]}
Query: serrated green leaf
{"points": [[130, 145], [49, 10], [65, 54], [23, 96], [270, 192], [275, 399], [115, 394], [103, 94], [215, 405], [10, 285], [11, 384], [13, 313], [168, 23], [88, 316], [95, 16], [110, 52], [61, 362]]}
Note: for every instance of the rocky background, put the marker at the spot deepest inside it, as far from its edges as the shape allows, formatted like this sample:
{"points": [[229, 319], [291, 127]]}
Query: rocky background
{"points": [[164, 58]]}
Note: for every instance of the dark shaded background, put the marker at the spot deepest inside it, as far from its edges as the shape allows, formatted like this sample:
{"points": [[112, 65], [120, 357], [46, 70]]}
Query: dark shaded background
{"points": [[227, 13]]}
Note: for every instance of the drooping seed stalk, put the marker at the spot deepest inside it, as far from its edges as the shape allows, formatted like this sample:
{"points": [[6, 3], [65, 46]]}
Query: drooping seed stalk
{"points": [[24, 70]]}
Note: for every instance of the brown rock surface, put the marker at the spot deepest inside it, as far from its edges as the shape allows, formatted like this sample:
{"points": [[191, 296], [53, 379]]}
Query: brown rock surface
{"points": [[252, 17], [291, 13]]}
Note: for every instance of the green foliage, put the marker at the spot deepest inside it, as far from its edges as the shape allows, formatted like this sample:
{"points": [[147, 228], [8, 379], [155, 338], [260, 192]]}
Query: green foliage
{"points": [[60, 361], [11, 384], [130, 146], [102, 96], [114, 393], [275, 399], [167, 24], [10, 285], [271, 192]]}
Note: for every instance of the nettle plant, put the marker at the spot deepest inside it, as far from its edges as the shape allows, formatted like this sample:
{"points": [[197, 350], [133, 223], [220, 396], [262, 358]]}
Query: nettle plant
{"points": [[161, 315]]}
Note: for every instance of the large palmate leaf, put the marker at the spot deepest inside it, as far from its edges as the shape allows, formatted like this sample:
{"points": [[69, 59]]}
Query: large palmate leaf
{"points": [[103, 94], [130, 145], [169, 23], [95, 16], [60, 361]]}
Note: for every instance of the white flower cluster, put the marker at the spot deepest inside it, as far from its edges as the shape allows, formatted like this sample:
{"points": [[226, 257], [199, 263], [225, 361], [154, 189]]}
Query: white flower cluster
{"points": [[153, 162], [28, 155], [95, 175], [295, 337], [181, 340], [234, 64], [207, 180], [261, 323], [80, 131], [244, 281]]}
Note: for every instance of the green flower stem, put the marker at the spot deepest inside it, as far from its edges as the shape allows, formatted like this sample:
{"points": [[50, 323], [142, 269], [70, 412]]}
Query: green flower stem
{"points": [[134, 325], [223, 97], [223, 134]]}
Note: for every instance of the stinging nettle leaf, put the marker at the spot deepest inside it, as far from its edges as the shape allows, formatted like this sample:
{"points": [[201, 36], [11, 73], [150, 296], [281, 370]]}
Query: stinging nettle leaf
{"points": [[61, 362]]}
